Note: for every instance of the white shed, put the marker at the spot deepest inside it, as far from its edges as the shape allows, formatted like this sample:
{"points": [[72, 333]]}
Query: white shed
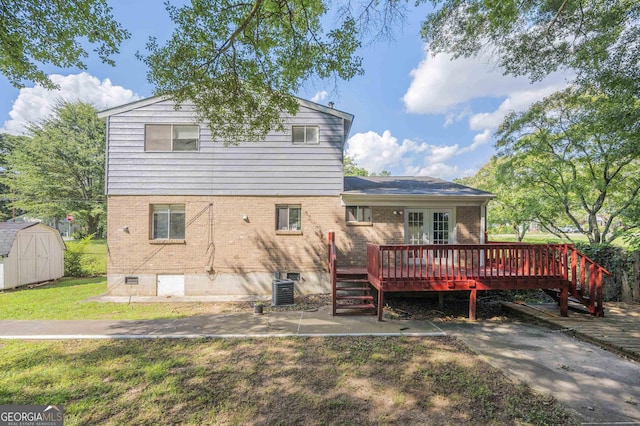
{"points": [[29, 253]]}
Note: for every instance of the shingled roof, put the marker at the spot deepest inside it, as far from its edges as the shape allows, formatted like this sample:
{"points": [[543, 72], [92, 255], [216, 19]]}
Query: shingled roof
{"points": [[8, 233], [408, 185]]}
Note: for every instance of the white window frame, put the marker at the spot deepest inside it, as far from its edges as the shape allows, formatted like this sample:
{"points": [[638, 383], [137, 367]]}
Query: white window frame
{"points": [[166, 209], [360, 214], [306, 141], [173, 139], [289, 208]]}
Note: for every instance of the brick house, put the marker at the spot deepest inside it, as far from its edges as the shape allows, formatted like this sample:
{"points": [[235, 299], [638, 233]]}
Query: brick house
{"points": [[190, 216]]}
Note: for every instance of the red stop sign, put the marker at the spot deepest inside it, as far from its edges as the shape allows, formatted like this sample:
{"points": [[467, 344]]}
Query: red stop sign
{"points": [[69, 217]]}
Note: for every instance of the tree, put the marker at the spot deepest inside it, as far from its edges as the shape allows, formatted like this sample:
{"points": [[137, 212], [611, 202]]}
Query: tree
{"points": [[514, 206], [579, 150], [36, 32], [7, 142], [599, 40], [352, 169], [59, 168], [239, 62]]}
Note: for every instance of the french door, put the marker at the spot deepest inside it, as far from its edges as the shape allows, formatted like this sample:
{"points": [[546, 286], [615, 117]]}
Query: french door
{"points": [[428, 226]]}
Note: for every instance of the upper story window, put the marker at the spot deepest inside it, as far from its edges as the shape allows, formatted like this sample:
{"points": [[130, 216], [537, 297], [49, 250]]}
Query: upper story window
{"points": [[167, 222], [289, 218], [171, 137], [305, 134], [358, 214]]}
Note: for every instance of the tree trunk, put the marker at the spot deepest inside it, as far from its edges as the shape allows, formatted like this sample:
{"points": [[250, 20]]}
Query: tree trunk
{"points": [[92, 225], [635, 280]]}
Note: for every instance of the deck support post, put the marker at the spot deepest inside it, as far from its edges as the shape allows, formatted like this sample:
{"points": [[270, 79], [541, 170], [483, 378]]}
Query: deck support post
{"points": [[380, 303], [472, 305], [441, 300], [564, 301]]}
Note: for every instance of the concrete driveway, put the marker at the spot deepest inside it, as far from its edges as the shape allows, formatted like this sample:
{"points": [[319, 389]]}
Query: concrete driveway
{"points": [[599, 386]]}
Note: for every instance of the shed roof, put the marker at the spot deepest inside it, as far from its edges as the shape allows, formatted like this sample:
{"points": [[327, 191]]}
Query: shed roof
{"points": [[408, 186], [8, 232]]}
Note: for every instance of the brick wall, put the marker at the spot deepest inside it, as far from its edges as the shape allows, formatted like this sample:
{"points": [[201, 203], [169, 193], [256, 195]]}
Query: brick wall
{"points": [[217, 238], [216, 235], [468, 224], [385, 228]]}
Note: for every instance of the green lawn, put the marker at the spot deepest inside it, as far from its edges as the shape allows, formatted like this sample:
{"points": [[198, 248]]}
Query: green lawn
{"points": [[549, 238], [95, 259], [280, 381], [66, 299]]}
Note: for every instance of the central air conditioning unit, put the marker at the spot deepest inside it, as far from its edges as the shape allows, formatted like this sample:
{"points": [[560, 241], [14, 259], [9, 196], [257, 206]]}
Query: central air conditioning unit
{"points": [[282, 292]]}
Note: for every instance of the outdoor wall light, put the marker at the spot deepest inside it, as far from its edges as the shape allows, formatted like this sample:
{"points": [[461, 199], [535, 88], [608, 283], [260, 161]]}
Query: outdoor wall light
{"points": [[245, 217], [397, 212], [125, 229]]}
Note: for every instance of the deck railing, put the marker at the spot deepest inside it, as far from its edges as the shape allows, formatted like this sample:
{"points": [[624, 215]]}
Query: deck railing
{"points": [[452, 262]]}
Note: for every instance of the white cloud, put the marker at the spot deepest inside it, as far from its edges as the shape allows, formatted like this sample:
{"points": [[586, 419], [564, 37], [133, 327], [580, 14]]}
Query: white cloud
{"points": [[440, 85], [517, 101], [479, 140], [36, 103], [443, 86], [320, 96], [377, 152]]}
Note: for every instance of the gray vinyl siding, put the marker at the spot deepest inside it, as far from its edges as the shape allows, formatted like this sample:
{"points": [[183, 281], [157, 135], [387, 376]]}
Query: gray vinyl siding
{"points": [[272, 167]]}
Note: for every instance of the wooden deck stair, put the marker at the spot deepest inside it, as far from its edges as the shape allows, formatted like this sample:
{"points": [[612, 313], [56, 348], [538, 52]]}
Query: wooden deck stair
{"points": [[466, 267], [352, 293]]}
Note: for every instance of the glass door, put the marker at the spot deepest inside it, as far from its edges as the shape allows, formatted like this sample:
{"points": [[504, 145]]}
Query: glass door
{"points": [[428, 226]]}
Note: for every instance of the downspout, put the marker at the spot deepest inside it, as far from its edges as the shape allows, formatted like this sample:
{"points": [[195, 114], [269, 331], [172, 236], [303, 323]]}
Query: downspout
{"points": [[483, 222]]}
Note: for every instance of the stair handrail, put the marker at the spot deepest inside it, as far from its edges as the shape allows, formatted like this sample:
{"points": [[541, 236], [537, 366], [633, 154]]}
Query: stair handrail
{"points": [[578, 281]]}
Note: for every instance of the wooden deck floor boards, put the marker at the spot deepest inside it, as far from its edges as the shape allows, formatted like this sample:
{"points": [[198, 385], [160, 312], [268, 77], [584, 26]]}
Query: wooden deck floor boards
{"points": [[617, 330]]}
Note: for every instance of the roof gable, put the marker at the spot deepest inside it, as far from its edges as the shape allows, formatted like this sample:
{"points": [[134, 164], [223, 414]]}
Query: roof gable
{"points": [[8, 233], [155, 99]]}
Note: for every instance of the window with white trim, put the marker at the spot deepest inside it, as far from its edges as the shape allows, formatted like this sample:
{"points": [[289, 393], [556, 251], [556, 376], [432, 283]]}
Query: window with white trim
{"points": [[167, 222], [289, 218], [309, 135], [358, 214], [171, 137]]}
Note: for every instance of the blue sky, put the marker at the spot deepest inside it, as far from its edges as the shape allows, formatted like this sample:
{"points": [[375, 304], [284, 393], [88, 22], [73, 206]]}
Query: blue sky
{"points": [[415, 114]]}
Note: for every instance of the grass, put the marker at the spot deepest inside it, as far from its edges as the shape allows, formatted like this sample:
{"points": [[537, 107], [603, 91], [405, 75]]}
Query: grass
{"points": [[95, 259], [541, 238], [66, 300], [353, 381]]}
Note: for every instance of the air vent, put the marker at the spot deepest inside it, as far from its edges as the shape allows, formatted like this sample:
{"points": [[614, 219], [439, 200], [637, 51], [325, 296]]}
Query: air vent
{"points": [[293, 276], [131, 280], [282, 293]]}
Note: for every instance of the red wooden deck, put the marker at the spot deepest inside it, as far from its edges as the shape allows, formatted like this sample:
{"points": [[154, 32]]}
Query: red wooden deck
{"points": [[473, 267]]}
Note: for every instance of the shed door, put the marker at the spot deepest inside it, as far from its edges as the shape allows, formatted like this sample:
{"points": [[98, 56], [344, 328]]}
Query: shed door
{"points": [[27, 258], [34, 261], [170, 285], [43, 257]]}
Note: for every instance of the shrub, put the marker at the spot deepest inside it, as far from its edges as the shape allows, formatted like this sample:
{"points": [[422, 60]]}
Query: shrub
{"points": [[73, 258]]}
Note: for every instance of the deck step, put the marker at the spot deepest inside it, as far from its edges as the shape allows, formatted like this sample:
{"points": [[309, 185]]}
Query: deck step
{"points": [[358, 306], [352, 280], [365, 289], [583, 301], [355, 298], [354, 313]]}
